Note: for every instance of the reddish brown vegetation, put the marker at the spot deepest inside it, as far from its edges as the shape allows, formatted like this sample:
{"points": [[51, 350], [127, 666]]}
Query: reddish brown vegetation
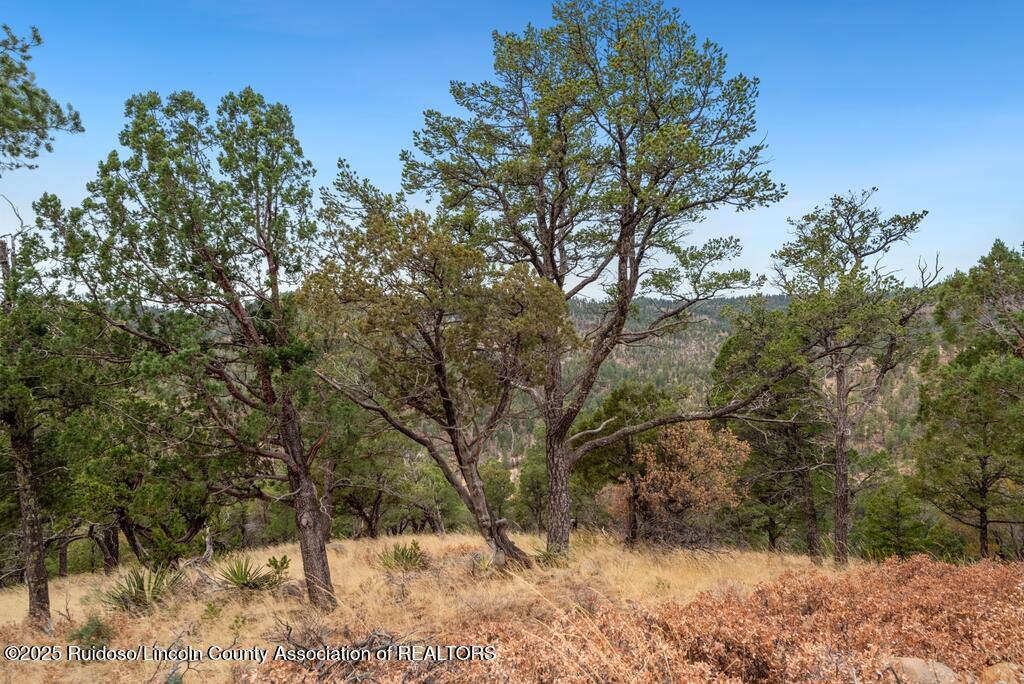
{"points": [[800, 628]]}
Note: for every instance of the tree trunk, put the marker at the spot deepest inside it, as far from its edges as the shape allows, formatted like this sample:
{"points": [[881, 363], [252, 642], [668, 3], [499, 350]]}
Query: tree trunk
{"points": [[133, 540], [494, 529], [436, 520], [372, 522], [983, 532], [309, 523], [111, 548], [842, 469], [559, 522], [33, 546], [309, 517], [62, 558], [633, 512], [810, 514], [772, 528], [376, 512], [357, 526]]}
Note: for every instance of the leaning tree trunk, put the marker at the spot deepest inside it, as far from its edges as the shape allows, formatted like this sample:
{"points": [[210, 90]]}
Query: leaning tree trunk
{"points": [[128, 528], [842, 469], [33, 545], [109, 543], [309, 523], [111, 549], [495, 530], [309, 517]]}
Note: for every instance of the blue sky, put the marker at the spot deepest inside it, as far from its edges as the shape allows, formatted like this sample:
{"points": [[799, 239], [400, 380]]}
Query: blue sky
{"points": [[923, 99]]}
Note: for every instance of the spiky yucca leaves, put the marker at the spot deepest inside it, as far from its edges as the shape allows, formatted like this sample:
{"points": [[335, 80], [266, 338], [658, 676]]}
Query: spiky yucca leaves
{"points": [[403, 557], [242, 573], [141, 590]]}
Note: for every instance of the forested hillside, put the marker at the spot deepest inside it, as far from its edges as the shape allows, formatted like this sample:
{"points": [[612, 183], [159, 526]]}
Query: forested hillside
{"points": [[207, 354], [679, 361]]}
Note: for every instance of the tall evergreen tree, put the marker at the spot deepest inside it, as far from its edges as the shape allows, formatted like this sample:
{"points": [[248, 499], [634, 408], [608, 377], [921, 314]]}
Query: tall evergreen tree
{"points": [[971, 457], [859, 320], [601, 140], [36, 385], [191, 242]]}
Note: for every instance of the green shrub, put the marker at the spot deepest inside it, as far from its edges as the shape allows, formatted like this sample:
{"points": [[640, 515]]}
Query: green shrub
{"points": [[141, 590], [403, 557], [95, 633], [279, 567]]}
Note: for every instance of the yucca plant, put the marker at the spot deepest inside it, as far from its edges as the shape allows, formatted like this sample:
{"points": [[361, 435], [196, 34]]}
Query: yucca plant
{"points": [[403, 557], [141, 590], [242, 573]]}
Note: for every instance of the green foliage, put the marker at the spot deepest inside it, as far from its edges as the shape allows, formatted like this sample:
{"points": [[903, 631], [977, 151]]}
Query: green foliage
{"points": [[242, 573], [402, 557], [498, 485], [982, 309], [529, 505], [613, 105], [596, 145], [94, 634], [279, 566], [139, 591], [972, 409], [894, 522], [969, 459], [212, 612], [29, 115]]}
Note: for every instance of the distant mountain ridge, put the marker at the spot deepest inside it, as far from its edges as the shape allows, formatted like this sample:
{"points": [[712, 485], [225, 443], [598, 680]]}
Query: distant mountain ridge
{"points": [[679, 361]]}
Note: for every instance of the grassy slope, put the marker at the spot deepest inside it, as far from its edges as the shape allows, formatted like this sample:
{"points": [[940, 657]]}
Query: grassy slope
{"points": [[452, 595], [611, 614]]}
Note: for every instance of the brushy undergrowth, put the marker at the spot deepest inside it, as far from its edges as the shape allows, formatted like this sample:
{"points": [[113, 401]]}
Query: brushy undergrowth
{"points": [[94, 633], [800, 628], [806, 627]]}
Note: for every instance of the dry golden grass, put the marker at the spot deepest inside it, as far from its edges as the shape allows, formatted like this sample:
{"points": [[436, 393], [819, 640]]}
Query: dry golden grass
{"points": [[454, 592]]}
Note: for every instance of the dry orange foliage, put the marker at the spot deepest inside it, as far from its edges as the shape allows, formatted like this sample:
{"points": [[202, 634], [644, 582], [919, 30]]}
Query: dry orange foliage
{"points": [[691, 468], [809, 627]]}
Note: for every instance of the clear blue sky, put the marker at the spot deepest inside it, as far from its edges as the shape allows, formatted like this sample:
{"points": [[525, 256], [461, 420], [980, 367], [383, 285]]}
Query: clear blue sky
{"points": [[923, 99]]}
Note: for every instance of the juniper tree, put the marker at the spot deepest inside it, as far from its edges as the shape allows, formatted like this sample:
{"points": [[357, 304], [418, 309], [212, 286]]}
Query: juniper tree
{"points": [[618, 462], [42, 383], [785, 427], [192, 240], [432, 338], [38, 383]]}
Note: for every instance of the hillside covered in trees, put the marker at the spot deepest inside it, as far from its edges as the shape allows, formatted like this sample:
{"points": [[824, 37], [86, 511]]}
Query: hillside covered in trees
{"points": [[210, 355]]}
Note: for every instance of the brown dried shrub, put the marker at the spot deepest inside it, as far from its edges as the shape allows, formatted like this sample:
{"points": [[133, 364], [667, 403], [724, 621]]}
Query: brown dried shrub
{"points": [[800, 628]]}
